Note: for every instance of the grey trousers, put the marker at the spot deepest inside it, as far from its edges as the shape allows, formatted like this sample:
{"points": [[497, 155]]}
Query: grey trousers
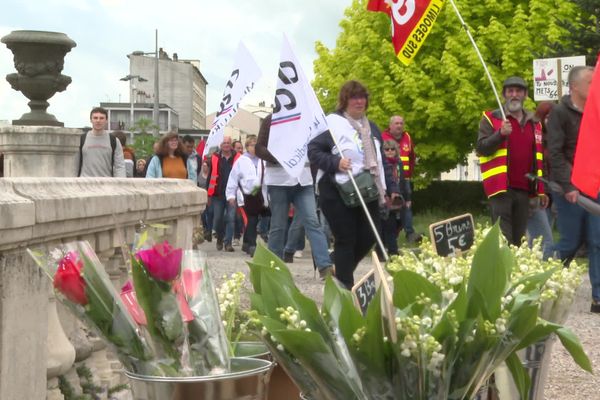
{"points": [[512, 208]]}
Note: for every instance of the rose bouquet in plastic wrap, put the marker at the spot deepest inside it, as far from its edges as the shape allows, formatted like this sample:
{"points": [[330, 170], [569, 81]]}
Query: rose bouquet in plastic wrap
{"points": [[178, 303], [448, 325], [82, 285]]}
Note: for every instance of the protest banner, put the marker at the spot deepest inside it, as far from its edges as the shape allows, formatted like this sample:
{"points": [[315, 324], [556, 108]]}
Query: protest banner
{"points": [[550, 77]]}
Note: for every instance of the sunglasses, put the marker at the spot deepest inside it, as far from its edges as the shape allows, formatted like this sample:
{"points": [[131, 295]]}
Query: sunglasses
{"points": [[389, 149]]}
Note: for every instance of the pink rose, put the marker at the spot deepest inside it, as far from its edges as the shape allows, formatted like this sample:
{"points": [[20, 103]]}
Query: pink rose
{"points": [[162, 261]]}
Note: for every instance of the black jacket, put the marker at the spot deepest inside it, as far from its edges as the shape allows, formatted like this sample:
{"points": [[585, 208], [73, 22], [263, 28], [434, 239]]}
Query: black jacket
{"points": [[563, 130], [319, 154]]}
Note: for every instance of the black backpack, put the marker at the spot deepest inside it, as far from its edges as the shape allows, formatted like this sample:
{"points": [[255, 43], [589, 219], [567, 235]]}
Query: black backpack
{"points": [[113, 145]]}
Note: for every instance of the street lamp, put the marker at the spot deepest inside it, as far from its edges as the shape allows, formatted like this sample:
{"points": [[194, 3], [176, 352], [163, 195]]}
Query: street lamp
{"points": [[130, 78], [155, 109]]}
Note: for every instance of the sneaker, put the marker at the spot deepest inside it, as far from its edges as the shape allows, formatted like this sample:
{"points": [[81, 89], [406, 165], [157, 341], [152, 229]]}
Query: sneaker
{"points": [[325, 272], [229, 248], [298, 254], [236, 242], [595, 308], [208, 236], [219, 244], [288, 257]]}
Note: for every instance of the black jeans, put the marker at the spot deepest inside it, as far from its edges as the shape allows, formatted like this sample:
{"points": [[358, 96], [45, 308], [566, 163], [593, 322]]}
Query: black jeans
{"points": [[353, 237], [512, 207], [250, 233]]}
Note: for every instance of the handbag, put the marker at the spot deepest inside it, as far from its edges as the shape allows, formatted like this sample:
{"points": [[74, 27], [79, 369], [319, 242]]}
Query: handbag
{"points": [[366, 186], [254, 204]]}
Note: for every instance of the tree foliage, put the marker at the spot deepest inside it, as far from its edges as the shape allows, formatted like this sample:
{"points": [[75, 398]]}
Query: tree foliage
{"points": [[143, 140], [583, 32], [444, 91]]}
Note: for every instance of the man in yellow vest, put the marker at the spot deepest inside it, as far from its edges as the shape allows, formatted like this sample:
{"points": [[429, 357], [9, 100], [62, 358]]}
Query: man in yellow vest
{"points": [[509, 149]]}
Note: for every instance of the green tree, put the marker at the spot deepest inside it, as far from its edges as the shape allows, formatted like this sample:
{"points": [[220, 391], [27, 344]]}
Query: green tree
{"points": [[583, 32], [143, 138], [444, 91]]}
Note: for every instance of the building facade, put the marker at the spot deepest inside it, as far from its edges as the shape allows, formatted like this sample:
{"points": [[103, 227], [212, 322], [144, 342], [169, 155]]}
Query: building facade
{"points": [[181, 85], [123, 116]]}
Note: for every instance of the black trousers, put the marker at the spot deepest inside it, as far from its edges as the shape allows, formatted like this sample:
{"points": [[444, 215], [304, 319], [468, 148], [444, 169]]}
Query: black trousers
{"points": [[352, 233], [512, 208]]}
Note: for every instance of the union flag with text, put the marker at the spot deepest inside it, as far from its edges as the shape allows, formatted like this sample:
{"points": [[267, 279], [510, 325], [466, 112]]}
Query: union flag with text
{"points": [[412, 20]]}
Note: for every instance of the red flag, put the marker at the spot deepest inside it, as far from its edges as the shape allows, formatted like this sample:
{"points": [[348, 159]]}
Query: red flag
{"points": [[586, 168], [412, 20]]}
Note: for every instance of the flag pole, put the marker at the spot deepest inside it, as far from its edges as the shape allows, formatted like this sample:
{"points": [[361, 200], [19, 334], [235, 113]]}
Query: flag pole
{"points": [[363, 204], [487, 72]]}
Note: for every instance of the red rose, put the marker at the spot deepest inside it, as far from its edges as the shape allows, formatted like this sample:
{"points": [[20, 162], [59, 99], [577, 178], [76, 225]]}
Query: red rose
{"points": [[68, 279]]}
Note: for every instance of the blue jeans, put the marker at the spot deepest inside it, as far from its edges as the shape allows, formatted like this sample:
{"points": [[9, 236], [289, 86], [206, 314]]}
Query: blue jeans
{"points": [[576, 226], [295, 236], [303, 198], [224, 219], [538, 225]]}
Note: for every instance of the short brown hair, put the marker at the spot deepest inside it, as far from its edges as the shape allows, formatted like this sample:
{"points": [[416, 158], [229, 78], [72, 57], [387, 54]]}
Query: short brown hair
{"points": [[250, 139], [99, 110], [349, 90]]}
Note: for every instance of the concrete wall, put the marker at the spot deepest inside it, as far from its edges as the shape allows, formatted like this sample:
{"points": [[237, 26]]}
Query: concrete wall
{"points": [[42, 212]]}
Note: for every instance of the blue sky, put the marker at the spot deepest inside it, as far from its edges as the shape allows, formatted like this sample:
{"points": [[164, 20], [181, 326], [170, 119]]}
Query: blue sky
{"points": [[107, 30]]}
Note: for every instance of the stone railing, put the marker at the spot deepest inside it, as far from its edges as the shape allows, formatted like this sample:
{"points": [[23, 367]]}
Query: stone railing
{"points": [[38, 340]]}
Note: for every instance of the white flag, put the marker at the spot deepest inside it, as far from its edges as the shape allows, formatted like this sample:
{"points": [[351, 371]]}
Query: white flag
{"points": [[243, 77], [297, 116]]}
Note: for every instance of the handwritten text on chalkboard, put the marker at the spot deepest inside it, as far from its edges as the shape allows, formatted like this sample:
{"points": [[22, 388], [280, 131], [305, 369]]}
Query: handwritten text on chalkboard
{"points": [[365, 290], [453, 235]]}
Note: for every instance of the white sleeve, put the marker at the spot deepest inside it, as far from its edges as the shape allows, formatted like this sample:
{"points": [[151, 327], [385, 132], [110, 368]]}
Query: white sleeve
{"points": [[232, 182]]}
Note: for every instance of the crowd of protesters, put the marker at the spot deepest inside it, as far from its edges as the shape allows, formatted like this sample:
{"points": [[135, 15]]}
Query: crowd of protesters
{"points": [[250, 194]]}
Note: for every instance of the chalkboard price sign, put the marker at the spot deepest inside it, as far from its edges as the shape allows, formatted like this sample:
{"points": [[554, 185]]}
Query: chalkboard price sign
{"points": [[452, 236], [365, 290]]}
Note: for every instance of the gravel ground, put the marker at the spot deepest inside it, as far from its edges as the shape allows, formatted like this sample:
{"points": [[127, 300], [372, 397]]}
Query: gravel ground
{"points": [[566, 381]]}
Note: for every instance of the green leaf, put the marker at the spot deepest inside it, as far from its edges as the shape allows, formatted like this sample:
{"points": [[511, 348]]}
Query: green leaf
{"points": [[265, 259], [541, 332], [320, 362], [519, 375], [409, 285], [489, 273], [339, 307], [156, 300], [523, 320], [573, 346], [459, 306]]}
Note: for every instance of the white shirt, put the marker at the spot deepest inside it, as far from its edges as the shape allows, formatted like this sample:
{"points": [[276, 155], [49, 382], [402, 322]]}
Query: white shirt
{"points": [[247, 175]]}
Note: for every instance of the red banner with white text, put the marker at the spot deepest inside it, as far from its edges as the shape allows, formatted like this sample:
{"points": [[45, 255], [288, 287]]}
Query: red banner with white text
{"points": [[586, 168], [412, 21]]}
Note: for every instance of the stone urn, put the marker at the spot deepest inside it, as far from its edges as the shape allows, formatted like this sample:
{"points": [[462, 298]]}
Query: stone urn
{"points": [[39, 58]]}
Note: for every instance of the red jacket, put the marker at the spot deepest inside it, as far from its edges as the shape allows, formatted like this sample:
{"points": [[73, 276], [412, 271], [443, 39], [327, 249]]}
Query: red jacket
{"points": [[407, 151]]}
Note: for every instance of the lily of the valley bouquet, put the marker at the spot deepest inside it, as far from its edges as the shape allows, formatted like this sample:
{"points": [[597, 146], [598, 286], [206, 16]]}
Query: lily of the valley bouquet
{"points": [[165, 322], [452, 323]]}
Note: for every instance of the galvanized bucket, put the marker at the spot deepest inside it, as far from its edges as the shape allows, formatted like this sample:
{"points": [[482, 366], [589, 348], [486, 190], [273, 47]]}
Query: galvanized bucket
{"points": [[252, 349], [248, 380]]}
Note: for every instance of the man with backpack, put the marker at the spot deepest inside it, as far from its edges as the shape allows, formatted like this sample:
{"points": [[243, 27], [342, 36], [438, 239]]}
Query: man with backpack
{"points": [[100, 153]]}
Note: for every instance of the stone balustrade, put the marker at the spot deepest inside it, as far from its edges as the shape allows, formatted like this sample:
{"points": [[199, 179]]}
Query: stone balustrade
{"points": [[35, 348]]}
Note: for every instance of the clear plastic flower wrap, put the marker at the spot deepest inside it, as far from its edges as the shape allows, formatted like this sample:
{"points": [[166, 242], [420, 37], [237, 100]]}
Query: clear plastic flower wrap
{"points": [[83, 286], [209, 350]]}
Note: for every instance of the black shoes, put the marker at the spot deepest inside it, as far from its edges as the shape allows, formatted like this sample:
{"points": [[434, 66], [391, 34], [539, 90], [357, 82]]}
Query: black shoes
{"points": [[325, 272], [595, 308], [208, 236], [229, 248], [219, 244], [288, 257]]}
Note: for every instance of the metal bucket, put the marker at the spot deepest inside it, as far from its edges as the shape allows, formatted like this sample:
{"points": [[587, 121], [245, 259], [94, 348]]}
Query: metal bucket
{"points": [[248, 380]]}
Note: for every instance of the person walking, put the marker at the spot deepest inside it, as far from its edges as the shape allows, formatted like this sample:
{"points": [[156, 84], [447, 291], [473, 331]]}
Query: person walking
{"points": [[283, 190], [575, 225], [360, 152], [170, 160], [508, 150]]}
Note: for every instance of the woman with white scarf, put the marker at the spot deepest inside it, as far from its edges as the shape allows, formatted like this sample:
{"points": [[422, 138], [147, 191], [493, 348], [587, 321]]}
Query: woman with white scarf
{"points": [[360, 147]]}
